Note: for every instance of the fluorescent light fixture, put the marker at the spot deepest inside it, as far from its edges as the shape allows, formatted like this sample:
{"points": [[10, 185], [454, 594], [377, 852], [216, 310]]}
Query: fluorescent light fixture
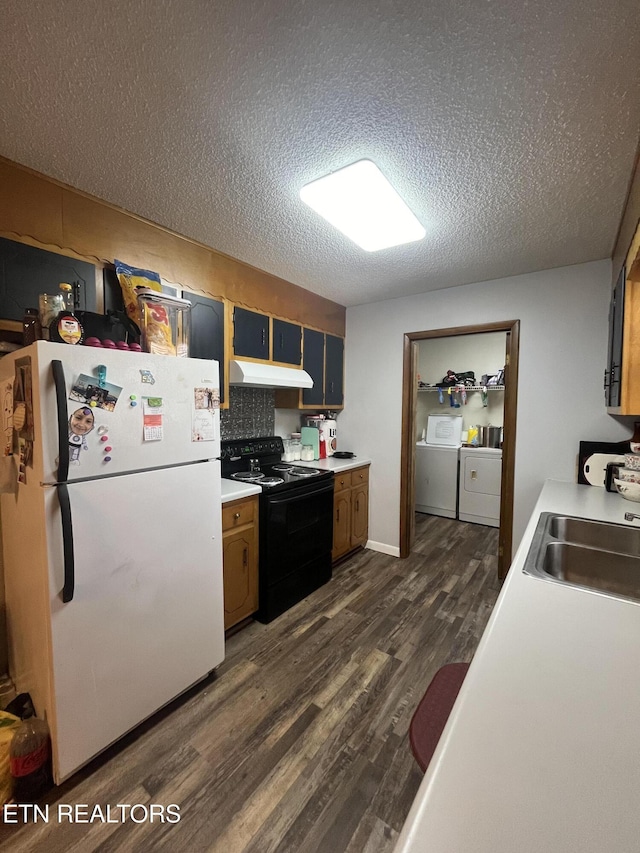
{"points": [[359, 201]]}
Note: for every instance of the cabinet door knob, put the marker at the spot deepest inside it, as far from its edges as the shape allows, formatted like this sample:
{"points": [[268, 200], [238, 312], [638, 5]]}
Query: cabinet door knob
{"points": [[245, 557], [237, 515]]}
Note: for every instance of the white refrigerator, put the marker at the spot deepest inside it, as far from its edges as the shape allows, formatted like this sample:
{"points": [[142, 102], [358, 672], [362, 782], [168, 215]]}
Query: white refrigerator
{"points": [[112, 543]]}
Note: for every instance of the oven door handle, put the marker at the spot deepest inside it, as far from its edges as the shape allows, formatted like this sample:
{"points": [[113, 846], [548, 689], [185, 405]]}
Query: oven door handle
{"points": [[309, 490]]}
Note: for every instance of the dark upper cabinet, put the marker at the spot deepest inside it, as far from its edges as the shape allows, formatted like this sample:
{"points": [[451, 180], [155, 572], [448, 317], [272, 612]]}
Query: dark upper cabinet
{"points": [[334, 371], [313, 363], [287, 342], [26, 272], [207, 331], [612, 376], [250, 334]]}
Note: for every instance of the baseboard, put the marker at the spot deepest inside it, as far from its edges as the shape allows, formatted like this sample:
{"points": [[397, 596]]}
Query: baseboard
{"points": [[383, 548]]}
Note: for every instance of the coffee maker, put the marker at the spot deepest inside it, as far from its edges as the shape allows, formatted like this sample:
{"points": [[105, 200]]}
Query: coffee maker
{"points": [[327, 426]]}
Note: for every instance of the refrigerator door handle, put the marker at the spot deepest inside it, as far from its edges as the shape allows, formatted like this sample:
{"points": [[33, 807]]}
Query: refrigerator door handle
{"points": [[67, 540], [63, 425]]}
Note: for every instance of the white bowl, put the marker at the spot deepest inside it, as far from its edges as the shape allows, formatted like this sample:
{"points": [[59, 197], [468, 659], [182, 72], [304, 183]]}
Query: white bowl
{"points": [[629, 475], [629, 491], [632, 460]]}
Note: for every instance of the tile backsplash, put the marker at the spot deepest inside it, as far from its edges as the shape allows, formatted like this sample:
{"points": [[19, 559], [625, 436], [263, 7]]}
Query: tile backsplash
{"points": [[250, 413]]}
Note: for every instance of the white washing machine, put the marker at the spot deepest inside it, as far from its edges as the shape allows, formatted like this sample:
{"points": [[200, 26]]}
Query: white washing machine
{"points": [[480, 480], [437, 466]]}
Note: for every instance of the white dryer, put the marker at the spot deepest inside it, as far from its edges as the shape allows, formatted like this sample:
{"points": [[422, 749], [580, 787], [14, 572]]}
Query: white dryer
{"points": [[437, 466], [480, 480]]}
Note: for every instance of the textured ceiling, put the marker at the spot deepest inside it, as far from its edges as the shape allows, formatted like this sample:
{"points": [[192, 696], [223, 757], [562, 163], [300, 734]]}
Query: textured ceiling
{"points": [[510, 128]]}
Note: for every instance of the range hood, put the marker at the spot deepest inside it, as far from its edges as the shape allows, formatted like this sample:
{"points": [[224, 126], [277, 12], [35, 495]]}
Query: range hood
{"points": [[255, 374]]}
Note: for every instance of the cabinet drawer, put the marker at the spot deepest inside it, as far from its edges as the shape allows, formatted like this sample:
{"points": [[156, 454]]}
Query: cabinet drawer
{"points": [[342, 481], [359, 476], [237, 513]]}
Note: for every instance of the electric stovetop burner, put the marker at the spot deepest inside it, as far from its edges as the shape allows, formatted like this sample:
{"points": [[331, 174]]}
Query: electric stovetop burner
{"points": [[295, 471], [248, 476], [268, 482]]}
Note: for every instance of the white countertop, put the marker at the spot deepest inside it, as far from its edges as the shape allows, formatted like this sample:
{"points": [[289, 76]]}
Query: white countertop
{"points": [[541, 753], [234, 489]]}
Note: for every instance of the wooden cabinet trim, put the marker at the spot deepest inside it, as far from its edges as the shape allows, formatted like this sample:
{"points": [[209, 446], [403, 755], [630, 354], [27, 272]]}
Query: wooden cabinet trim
{"points": [[46, 213]]}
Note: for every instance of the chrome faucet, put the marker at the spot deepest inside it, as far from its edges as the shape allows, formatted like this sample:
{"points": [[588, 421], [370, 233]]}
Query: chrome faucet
{"points": [[631, 516]]}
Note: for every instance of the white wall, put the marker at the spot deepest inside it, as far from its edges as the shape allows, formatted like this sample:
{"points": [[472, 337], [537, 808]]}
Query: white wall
{"points": [[482, 353], [563, 344]]}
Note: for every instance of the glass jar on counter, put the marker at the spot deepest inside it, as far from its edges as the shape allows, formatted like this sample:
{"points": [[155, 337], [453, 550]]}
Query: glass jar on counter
{"points": [[307, 453], [287, 455], [296, 447]]}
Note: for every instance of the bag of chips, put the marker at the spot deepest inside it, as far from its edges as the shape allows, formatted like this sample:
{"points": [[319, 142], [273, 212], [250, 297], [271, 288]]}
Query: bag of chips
{"points": [[130, 278]]}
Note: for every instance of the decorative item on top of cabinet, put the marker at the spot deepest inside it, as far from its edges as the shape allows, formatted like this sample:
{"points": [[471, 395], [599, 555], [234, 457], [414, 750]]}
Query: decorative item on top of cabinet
{"points": [[251, 334], [622, 376], [350, 511], [240, 559]]}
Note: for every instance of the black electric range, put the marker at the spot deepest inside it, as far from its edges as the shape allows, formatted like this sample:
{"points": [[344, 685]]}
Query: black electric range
{"points": [[258, 461], [295, 521]]}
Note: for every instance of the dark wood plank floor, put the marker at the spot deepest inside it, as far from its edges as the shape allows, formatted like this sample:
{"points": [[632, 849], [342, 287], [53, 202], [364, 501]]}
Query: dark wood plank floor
{"points": [[300, 743]]}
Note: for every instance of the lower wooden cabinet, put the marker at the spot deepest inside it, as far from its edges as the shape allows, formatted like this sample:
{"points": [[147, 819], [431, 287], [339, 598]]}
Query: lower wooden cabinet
{"points": [[350, 511], [240, 559]]}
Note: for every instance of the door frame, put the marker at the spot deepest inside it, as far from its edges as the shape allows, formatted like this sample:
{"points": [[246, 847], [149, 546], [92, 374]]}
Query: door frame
{"points": [[409, 406]]}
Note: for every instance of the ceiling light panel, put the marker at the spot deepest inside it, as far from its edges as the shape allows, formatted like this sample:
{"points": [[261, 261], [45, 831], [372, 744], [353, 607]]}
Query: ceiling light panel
{"points": [[359, 201]]}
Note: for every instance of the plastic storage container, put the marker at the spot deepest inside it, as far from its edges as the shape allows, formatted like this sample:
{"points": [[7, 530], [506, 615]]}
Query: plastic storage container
{"points": [[51, 304], [165, 323]]}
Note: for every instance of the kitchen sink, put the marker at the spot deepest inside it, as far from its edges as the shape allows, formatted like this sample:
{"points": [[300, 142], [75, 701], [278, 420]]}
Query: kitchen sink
{"points": [[596, 534], [595, 555]]}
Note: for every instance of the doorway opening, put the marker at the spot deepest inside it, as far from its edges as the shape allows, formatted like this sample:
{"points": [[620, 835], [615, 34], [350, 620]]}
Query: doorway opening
{"points": [[409, 411]]}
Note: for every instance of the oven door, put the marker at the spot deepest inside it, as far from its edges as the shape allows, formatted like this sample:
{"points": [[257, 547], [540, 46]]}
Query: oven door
{"points": [[296, 536]]}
